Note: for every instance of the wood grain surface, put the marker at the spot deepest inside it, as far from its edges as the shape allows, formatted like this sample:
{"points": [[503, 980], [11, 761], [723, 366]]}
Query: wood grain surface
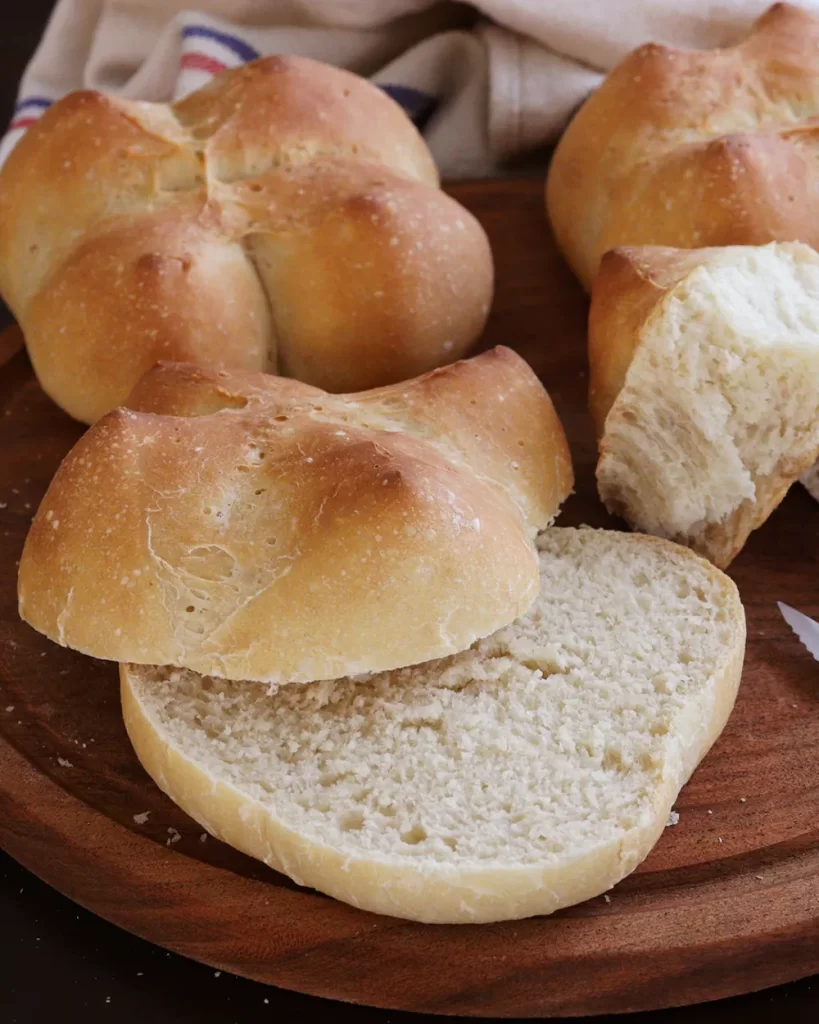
{"points": [[728, 901]]}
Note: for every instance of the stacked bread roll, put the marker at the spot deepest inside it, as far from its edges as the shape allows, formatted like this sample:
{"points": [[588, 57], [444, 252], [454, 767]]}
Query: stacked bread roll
{"points": [[704, 361], [350, 649]]}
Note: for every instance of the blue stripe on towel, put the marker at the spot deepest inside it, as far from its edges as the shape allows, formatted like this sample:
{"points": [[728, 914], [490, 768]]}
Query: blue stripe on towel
{"points": [[418, 105], [33, 101], [238, 46]]}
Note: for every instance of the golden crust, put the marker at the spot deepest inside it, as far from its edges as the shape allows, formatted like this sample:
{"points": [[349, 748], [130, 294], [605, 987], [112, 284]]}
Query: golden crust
{"points": [[255, 528], [695, 148], [630, 283], [296, 210]]}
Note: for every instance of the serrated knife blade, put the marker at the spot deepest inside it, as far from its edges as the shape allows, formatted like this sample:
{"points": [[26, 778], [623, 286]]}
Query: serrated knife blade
{"points": [[806, 629]]}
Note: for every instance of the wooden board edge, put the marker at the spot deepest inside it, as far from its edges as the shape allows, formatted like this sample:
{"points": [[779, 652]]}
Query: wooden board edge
{"points": [[54, 819], [11, 342]]}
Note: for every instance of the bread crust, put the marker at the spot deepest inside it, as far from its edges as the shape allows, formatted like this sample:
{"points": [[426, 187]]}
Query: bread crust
{"points": [[469, 893], [695, 148], [287, 217], [252, 527], [633, 289]]}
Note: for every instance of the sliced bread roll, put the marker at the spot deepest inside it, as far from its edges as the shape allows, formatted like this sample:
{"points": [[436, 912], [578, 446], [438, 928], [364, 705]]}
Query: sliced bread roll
{"points": [[704, 387], [533, 771]]}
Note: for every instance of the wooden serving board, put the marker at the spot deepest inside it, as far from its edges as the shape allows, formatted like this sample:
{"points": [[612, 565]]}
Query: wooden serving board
{"points": [[728, 902]]}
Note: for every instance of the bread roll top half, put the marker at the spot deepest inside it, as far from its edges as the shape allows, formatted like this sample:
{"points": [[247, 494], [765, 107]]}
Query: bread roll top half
{"points": [[251, 527]]}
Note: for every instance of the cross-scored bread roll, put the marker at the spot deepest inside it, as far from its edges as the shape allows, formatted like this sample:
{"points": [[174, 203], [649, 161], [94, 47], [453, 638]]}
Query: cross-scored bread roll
{"points": [[251, 527], [287, 217], [689, 149], [704, 386]]}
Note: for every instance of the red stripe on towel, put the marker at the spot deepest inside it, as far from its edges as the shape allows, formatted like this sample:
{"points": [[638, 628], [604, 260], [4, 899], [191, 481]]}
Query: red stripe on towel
{"points": [[22, 122], [201, 62]]}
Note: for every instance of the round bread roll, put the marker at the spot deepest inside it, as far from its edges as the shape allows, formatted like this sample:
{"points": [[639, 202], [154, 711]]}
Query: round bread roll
{"points": [[691, 149], [252, 527], [531, 772], [285, 218], [704, 386]]}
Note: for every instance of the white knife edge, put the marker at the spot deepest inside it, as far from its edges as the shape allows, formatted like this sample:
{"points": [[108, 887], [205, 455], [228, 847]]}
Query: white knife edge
{"points": [[805, 628]]}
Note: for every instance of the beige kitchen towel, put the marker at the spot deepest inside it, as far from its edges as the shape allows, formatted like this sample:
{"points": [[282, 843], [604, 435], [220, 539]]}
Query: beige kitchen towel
{"points": [[485, 82]]}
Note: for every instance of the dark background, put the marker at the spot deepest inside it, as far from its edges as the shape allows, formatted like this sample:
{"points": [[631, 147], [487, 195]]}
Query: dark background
{"points": [[59, 962]]}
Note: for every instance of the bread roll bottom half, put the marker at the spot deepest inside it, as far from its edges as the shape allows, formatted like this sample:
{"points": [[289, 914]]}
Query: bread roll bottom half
{"points": [[532, 771]]}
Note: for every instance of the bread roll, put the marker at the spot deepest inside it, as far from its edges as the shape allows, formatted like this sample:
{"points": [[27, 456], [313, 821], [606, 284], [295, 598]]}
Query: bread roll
{"points": [[531, 772], [286, 217], [704, 387], [691, 149], [251, 527]]}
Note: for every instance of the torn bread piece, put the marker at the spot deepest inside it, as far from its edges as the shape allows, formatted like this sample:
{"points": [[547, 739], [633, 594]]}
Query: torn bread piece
{"points": [[704, 387]]}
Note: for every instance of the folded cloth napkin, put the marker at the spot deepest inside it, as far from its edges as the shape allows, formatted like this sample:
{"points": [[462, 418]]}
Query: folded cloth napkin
{"points": [[485, 83]]}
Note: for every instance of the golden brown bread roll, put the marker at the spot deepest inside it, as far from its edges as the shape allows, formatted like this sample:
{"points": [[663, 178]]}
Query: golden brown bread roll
{"points": [[690, 149], [287, 217], [704, 386], [251, 527]]}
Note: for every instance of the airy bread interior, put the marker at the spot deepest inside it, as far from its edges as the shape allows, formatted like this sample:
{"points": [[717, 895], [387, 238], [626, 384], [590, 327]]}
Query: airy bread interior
{"points": [[529, 772], [722, 393]]}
